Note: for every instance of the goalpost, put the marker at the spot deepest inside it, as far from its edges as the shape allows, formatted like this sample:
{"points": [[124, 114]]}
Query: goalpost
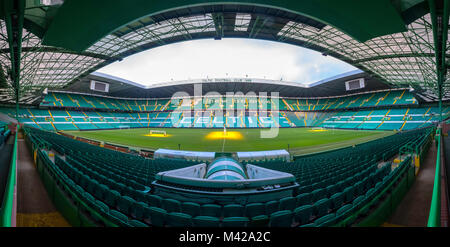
{"points": [[159, 132]]}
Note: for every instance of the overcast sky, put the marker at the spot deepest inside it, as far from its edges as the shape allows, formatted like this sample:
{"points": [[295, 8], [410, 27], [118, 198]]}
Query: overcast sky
{"points": [[224, 58]]}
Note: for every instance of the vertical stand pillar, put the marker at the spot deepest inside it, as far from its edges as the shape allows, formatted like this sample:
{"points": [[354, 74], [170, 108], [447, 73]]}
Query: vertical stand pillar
{"points": [[14, 16]]}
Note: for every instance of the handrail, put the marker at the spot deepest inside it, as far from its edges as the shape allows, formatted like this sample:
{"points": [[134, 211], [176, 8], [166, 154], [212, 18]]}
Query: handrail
{"points": [[7, 210], [434, 218]]}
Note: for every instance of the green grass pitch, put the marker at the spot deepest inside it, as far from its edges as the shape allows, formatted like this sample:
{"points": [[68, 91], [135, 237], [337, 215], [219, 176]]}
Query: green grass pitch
{"points": [[300, 140]]}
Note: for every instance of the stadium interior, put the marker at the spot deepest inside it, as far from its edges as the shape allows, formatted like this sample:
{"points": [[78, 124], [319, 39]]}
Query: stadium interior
{"points": [[363, 148]]}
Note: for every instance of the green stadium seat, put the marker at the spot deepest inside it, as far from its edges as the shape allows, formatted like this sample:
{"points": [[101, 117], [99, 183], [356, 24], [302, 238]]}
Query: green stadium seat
{"points": [[315, 186], [191, 208], [272, 207], [153, 200], [254, 209], [84, 180], [124, 204], [340, 186], [349, 182], [305, 189], [344, 210], [235, 222], [259, 221], [281, 219], [359, 188], [171, 205], [137, 210], [92, 186], [358, 201], [303, 199], [206, 221], [111, 198], [121, 187], [157, 215], [287, 203], [137, 195], [89, 199], [318, 194], [332, 189], [119, 217], [303, 214], [378, 185], [100, 191], [337, 199], [177, 219], [349, 194], [371, 193], [322, 207], [102, 207], [137, 223], [233, 210], [211, 210], [326, 220], [98, 207]]}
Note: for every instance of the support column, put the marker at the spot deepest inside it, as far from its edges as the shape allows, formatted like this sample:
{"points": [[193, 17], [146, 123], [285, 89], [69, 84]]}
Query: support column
{"points": [[439, 21], [445, 17], [14, 15]]}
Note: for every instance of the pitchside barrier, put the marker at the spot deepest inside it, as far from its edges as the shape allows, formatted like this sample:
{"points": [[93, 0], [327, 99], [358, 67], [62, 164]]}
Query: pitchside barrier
{"points": [[9, 204]]}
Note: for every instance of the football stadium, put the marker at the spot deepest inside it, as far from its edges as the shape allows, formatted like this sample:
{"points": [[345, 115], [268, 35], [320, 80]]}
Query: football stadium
{"points": [[367, 147]]}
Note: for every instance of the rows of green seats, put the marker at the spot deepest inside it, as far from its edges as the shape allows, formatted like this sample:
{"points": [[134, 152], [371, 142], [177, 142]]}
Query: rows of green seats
{"points": [[333, 184], [4, 133], [380, 119], [337, 183], [399, 97], [131, 166], [232, 102], [123, 195], [385, 119], [385, 98], [58, 99], [315, 171]]}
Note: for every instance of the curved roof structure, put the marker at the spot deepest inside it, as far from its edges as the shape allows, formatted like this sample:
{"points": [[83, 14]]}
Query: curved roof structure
{"points": [[53, 43], [334, 86]]}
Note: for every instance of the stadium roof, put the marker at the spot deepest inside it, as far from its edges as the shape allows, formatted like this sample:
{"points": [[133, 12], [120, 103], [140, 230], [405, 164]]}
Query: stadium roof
{"points": [[334, 86], [401, 42]]}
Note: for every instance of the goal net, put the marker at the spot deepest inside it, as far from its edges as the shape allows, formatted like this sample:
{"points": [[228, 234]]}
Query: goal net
{"points": [[158, 132]]}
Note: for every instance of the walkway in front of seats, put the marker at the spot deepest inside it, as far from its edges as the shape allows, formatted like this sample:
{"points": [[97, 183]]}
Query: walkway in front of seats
{"points": [[414, 209], [34, 207]]}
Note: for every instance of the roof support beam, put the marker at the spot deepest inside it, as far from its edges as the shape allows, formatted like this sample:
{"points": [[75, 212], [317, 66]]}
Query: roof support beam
{"points": [[258, 24], [59, 50], [374, 58]]}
